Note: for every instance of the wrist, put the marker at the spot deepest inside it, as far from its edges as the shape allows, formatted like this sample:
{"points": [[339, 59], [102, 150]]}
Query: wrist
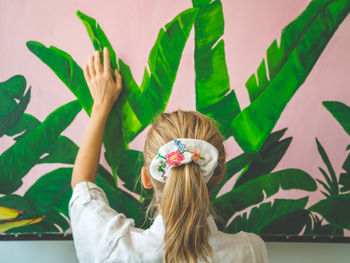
{"points": [[101, 109]]}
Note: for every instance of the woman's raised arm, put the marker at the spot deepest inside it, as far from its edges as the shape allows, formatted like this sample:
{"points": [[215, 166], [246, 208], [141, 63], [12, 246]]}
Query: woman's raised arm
{"points": [[104, 91]]}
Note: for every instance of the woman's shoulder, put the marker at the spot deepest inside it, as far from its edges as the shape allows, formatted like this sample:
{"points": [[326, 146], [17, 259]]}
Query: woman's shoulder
{"points": [[240, 247]]}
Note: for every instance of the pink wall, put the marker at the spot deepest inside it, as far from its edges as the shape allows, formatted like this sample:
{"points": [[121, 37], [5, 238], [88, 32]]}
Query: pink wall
{"points": [[132, 27]]}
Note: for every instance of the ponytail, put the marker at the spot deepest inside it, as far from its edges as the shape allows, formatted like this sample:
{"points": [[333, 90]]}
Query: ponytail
{"points": [[185, 208], [183, 200]]}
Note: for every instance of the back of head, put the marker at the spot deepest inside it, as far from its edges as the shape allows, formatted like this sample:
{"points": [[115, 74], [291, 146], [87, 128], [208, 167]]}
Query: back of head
{"points": [[183, 200]]}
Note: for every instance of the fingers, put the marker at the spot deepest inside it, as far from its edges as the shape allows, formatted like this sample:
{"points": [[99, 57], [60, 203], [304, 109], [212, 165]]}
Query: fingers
{"points": [[95, 67], [87, 73], [106, 61], [118, 79], [91, 66], [97, 64]]}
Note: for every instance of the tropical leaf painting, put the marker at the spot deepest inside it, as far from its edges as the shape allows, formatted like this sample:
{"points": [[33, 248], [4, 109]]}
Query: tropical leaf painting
{"points": [[271, 185]]}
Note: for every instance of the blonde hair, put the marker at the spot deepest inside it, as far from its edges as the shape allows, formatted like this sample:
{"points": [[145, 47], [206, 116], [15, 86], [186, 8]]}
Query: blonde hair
{"points": [[184, 199]]}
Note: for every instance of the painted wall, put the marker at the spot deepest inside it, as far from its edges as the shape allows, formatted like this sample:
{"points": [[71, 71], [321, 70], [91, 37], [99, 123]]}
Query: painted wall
{"points": [[250, 27]]}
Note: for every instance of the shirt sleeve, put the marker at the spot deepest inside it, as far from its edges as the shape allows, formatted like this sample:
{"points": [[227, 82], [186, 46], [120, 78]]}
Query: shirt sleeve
{"points": [[95, 225], [257, 248]]}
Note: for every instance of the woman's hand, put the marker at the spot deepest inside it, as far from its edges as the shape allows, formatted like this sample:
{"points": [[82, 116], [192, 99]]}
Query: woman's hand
{"points": [[104, 90]]}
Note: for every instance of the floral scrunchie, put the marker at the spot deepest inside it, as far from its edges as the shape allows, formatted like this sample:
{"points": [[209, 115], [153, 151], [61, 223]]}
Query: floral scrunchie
{"points": [[181, 151]]}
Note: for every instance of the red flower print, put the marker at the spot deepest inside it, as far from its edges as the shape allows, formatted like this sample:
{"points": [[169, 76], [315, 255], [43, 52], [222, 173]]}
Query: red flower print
{"points": [[174, 158]]}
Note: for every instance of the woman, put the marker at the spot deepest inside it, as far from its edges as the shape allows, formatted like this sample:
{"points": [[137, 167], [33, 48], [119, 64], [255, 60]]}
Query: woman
{"points": [[184, 159]]}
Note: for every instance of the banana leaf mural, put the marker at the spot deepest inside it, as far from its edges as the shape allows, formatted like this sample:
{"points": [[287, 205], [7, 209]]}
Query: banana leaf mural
{"points": [[250, 196]]}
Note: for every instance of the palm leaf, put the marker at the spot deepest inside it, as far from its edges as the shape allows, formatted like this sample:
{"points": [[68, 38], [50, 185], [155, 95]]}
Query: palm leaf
{"points": [[130, 172], [51, 192], [265, 214], [163, 66], [270, 156], [252, 192], [133, 110], [335, 210], [25, 124], [10, 119], [113, 135], [29, 212], [333, 181], [340, 112], [9, 213], [10, 110], [14, 87], [213, 95], [98, 37], [289, 224], [5, 226], [66, 69], [318, 229], [328, 179], [151, 98], [289, 64], [17, 160], [325, 194], [64, 150], [233, 166], [326, 187], [272, 139], [344, 178]]}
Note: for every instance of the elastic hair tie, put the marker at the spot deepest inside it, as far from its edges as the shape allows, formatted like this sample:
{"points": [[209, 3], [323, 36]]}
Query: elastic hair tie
{"points": [[181, 151]]}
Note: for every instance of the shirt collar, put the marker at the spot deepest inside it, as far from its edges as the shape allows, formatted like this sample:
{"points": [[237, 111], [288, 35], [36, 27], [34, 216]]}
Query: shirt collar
{"points": [[158, 227]]}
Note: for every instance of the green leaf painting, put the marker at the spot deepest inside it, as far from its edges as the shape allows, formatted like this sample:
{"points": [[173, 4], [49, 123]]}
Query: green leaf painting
{"points": [[213, 95], [10, 111], [270, 155], [251, 196], [131, 109], [301, 44], [341, 113], [252, 192], [253, 223], [332, 209], [344, 178], [66, 69], [25, 124], [17, 160]]}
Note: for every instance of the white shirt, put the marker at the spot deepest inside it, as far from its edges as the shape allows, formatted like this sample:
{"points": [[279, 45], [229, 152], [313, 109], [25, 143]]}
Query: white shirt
{"points": [[103, 235]]}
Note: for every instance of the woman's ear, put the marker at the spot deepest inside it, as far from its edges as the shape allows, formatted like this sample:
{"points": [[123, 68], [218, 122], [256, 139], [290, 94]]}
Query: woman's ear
{"points": [[146, 179]]}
